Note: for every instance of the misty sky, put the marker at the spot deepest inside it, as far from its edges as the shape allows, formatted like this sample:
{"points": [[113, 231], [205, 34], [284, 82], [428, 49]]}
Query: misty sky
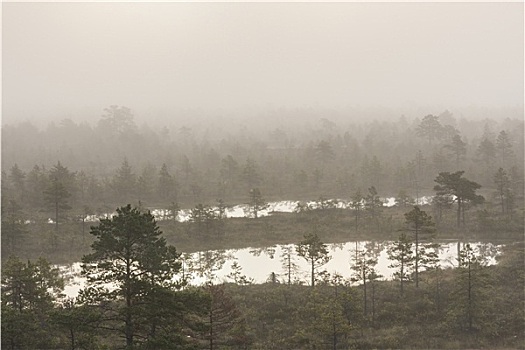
{"points": [[63, 58]]}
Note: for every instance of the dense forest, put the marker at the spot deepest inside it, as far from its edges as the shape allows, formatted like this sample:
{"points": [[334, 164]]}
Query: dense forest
{"points": [[290, 156], [54, 179]]}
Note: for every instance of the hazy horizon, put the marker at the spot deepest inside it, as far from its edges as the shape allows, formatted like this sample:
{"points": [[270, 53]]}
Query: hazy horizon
{"points": [[71, 60]]}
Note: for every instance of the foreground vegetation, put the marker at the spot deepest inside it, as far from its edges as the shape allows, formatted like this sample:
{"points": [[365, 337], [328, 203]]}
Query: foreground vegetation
{"points": [[435, 315], [472, 306]]}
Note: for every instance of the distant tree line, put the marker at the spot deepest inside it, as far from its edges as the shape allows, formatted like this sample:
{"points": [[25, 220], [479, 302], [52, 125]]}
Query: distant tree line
{"points": [[116, 161]]}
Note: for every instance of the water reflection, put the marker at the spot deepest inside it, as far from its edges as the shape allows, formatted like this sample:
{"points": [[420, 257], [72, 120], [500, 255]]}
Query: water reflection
{"points": [[281, 263], [242, 210]]}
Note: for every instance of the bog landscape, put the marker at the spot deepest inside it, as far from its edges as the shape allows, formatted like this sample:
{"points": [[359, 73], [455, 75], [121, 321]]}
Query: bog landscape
{"points": [[228, 241], [262, 175]]}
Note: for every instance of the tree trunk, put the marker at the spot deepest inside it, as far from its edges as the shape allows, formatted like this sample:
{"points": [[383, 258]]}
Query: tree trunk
{"points": [[459, 212], [402, 276], [129, 320], [469, 299], [56, 216], [373, 302], [211, 328], [313, 273], [289, 268], [438, 297], [417, 257], [129, 329], [334, 325], [55, 239], [459, 253], [73, 347], [83, 229], [364, 292]]}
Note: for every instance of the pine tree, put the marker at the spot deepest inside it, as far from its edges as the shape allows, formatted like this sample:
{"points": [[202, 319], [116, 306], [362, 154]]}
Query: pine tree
{"points": [[167, 187], [402, 256], [464, 190], [28, 294], [314, 251], [17, 180], [430, 127], [250, 173], [357, 206], [504, 148], [223, 316], [420, 224], [457, 148], [13, 230], [130, 253], [56, 196], [470, 285], [503, 189], [124, 182], [364, 270], [288, 263], [257, 202]]}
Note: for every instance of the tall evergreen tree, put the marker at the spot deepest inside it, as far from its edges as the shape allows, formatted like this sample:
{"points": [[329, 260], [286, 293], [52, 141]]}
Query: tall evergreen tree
{"points": [[257, 202], [56, 196], [14, 230], [28, 294], [364, 270], [223, 318], [124, 181], [167, 188], [37, 182], [464, 190], [504, 148], [503, 189], [17, 181], [470, 283], [130, 253], [430, 128], [288, 263], [402, 256], [146, 182], [67, 178], [314, 252], [250, 173], [117, 121], [419, 223], [457, 148], [373, 203], [357, 205], [486, 151]]}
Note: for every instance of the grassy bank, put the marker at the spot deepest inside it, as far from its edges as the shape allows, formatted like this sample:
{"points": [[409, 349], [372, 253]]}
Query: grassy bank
{"points": [[336, 226]]}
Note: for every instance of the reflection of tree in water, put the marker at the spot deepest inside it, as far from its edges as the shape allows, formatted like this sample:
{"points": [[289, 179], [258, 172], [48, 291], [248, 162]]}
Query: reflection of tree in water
{"points": [[371, 250], [207, 263], [269, 251], [334, 246], [374, 248], [487, 251]]}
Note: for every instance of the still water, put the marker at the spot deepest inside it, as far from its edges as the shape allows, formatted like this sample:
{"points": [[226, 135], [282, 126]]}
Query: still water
{"points": [[243, 210], [257, 265]]}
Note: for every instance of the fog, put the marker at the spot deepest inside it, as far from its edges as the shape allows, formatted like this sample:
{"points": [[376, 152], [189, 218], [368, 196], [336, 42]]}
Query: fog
{"points": [[71, 60]]}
